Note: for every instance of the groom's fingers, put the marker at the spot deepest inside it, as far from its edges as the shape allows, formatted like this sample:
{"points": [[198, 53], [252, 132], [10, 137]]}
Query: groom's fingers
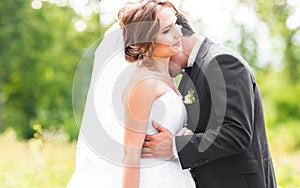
{"points": [[159, 127], [146, 150], [155, 124], [148, 143], [151, 140], [148, 155]]}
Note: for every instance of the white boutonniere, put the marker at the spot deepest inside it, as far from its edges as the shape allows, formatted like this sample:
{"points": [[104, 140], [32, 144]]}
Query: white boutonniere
{"points": [[189, 98]]}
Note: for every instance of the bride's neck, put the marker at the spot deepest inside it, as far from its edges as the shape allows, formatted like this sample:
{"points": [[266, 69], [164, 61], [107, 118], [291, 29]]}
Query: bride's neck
{"points": [[160, 65]]}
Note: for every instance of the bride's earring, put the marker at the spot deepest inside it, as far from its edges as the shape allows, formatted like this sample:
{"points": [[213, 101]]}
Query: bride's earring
{"points": [[140, 59], [139, 63]]}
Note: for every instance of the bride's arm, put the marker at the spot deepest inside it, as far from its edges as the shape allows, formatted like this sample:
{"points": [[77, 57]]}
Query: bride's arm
{"points": [[137, 106]]}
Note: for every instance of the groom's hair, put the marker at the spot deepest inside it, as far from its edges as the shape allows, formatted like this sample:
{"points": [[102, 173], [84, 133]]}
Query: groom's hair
{"points": [[186, 27]]}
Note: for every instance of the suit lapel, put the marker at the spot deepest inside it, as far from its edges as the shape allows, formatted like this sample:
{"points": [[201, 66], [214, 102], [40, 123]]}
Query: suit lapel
{"points": [[191, 73], [191, 80], [198, 63]]}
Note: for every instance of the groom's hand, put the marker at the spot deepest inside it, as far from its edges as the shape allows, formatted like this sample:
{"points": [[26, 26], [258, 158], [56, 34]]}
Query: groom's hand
{"points": [[159, 145]]}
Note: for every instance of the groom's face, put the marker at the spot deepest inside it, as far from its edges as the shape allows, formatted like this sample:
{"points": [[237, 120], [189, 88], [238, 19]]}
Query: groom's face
{"points": [[178, 61]]}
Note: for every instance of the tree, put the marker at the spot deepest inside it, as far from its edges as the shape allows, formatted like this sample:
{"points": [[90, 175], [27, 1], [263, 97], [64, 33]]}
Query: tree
{"points": [[40, 50], [276, 15]]}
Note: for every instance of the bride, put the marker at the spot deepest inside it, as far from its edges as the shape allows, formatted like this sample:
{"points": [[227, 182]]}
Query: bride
{"points": [[151, 37]]}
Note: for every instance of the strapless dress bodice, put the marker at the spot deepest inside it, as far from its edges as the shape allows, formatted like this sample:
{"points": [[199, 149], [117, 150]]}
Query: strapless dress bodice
{"points": [[169, 111]]}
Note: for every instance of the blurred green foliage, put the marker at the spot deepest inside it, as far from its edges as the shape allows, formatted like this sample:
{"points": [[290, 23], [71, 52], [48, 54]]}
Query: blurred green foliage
{"points": [[40, 50], [280, 87]]}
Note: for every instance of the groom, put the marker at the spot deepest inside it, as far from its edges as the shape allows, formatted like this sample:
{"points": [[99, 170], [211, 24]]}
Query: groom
{"points": [[229, 147]]}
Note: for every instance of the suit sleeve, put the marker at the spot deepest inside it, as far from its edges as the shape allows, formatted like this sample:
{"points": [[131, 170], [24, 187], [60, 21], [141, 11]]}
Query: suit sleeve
{"points": [[230, 127]]}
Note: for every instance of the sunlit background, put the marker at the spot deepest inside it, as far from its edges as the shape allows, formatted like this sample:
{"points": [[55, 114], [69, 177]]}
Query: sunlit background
{"points": [[43, 42]]}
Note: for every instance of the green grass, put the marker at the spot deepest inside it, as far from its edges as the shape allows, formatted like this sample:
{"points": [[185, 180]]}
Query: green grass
{"points": [[35, 163], [50, 163], [284, 146]]}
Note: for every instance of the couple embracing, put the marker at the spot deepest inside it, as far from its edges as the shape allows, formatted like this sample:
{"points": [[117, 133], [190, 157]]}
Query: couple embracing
{"points": [[207, 133]]}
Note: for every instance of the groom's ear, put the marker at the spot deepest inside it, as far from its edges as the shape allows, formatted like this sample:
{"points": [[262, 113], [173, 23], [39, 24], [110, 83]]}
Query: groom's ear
{"points": [[186, 27]]}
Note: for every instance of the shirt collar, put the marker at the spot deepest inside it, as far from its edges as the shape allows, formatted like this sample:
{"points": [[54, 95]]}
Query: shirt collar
{"points": [[195, 50]]}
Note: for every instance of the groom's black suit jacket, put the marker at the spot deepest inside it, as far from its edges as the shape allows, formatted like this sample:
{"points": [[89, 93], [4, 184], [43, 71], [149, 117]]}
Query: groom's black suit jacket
{"points": [[229, 148]]}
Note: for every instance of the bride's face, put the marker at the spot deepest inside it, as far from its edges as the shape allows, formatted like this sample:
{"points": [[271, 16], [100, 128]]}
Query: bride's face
{"points": [[168, 39]]}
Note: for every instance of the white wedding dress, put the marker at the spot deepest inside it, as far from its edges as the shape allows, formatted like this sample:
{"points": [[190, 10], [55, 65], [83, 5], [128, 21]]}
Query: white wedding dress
{"points": [[93, 171]]}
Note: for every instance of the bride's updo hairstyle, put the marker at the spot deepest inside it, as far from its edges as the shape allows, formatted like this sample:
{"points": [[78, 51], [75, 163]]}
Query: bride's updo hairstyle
{"points": [[140, 25]]}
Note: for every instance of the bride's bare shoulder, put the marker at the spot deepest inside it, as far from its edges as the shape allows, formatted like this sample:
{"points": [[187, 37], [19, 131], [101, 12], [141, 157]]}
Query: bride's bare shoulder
{"points": [[141, 88], [144, 85]]}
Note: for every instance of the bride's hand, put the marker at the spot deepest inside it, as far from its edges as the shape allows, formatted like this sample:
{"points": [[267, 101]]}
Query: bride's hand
{"points": [[184, 131]]}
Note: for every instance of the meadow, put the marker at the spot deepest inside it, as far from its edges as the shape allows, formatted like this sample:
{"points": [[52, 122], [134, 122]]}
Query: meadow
{"points": [[49, 162], [36, 162], [42, 45]]}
